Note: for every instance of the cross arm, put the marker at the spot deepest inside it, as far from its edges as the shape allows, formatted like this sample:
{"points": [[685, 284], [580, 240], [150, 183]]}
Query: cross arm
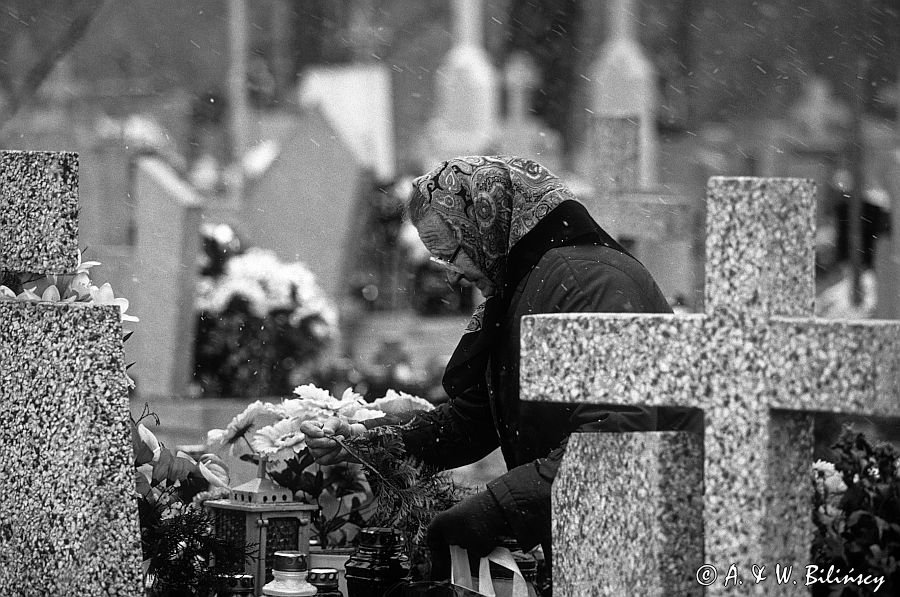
{"points": [[835, 365], [616, 358]]}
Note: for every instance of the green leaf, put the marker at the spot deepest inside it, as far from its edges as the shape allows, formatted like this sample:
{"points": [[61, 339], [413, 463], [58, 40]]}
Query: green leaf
{"points": [[142, 452], [856, 517], [307, 484], [142, 485], [181, 468], [161, 466]]}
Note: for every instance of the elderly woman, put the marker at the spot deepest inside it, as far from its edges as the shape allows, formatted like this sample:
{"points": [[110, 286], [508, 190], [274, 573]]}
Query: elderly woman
{"points": [[513, 229]]}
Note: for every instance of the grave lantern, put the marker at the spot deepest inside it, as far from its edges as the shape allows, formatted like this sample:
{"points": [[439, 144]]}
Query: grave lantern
{"points": [[264, 515]]}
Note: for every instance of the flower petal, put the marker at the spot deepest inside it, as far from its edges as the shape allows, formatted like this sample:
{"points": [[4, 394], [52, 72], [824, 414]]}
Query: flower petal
{"points": [[51, 293]]}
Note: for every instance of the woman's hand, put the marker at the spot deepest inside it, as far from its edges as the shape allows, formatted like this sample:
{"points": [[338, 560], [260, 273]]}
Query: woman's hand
{"points": [[476, 523], [320, 439]]}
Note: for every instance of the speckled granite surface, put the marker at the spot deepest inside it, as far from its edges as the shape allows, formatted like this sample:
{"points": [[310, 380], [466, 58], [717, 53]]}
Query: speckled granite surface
{"points": [[38, 211], [68, 519], [756, 349], [612, 491]]}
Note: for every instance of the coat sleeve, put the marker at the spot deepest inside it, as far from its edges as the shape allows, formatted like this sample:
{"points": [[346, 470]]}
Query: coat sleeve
{"points": [[458, 432], [524, 492]]}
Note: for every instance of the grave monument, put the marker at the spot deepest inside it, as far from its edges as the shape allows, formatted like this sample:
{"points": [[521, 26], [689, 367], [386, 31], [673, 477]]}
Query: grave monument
{"points": [[757, 363], [68, 517], [467, 101], [619, 158]]}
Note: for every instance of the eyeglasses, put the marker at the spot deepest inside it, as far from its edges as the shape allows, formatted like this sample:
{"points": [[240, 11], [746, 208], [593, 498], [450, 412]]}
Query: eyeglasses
{"points": [[448, 263]]}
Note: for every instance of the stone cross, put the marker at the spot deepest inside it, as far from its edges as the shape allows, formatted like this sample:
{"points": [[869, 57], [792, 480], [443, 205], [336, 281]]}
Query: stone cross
{"points": [[757, 363], [68, 522]]}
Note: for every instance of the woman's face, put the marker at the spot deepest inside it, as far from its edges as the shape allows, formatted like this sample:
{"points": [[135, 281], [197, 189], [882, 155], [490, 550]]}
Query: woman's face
{"points": [[442, 243]]}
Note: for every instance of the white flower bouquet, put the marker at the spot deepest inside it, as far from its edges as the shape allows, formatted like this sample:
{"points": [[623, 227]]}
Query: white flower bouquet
{"points": [[259, 320], [273, 430]]}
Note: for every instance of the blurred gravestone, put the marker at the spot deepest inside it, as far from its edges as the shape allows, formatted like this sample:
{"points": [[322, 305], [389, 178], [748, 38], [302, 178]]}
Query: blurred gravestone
{"points": [[521, 133], [167, 214], [68, 521], [620, 159], [465, 117]]}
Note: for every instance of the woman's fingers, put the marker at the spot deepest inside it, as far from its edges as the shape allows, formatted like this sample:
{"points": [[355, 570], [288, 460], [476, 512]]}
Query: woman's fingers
{"points": [[311, 429], [319, 439]]}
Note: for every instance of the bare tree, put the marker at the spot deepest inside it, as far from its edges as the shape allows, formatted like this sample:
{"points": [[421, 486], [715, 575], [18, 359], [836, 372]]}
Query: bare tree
{"points": [[21, 20]]}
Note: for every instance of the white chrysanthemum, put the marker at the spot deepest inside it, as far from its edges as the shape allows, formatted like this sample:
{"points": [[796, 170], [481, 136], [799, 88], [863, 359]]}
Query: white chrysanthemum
{"points": [[364, 414], [223, 234], [268, 284], [280, 441], [317, 397], [835, 484], [215, 439], [257, 415], [395, 403], [823, 467], [302, 409]]}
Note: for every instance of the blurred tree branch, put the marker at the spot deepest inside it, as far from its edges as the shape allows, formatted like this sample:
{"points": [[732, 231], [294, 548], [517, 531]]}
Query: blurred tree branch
{"points": [[80, 14]]}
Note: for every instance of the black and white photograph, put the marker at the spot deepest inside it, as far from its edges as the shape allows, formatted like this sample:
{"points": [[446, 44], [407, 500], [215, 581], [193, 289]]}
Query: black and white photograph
{"points": [[449, 298]]}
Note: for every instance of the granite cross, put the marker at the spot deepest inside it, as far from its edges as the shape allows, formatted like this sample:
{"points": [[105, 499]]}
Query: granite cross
{"points": [[68, 521], [639, 513]]}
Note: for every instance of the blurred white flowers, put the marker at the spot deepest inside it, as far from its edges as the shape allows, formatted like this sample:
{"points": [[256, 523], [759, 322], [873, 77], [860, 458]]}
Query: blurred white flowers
{"points": [[267, 284]]}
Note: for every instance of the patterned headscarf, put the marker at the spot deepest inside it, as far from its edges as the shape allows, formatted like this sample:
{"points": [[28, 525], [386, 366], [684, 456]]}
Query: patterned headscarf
{"points": [[490, 203], [506, 213]]}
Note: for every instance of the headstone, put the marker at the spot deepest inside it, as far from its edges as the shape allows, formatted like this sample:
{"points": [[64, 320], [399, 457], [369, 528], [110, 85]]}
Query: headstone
{"points": [[521, 133], [167, 244], [622, 85], [757, 363], [466, 96], [300, 205], [888, 266], [818, 116], [357, 100], [620, 159], [68, 521]]}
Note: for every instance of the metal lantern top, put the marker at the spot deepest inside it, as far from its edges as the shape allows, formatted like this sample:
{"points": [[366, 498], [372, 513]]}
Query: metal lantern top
{"points": [[262, 489]]}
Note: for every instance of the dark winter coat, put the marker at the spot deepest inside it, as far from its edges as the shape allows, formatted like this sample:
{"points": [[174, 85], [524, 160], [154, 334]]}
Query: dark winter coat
{"points": [[585, 278]]}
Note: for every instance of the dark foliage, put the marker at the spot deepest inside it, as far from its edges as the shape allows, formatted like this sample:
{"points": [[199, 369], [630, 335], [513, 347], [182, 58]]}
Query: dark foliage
{"points": [[863, 533]]}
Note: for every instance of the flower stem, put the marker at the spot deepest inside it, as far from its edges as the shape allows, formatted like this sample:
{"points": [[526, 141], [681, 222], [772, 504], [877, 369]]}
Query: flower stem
{"points": [[246, 441]]}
